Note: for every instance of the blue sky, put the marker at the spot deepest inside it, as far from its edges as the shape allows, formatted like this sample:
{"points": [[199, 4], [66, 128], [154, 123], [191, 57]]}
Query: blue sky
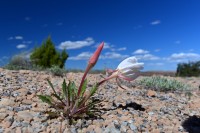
{"points": [[160, 33]]}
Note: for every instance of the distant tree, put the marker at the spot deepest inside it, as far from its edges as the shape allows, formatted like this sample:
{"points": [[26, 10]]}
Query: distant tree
{"points": [[47, 56], [188, 69]]}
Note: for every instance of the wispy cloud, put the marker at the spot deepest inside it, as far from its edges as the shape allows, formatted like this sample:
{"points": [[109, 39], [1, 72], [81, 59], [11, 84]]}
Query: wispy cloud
{"points": [[137, 27], [106, 45], [107, 55], [27, 42], [113, 55], [20, 46], [147, 57], [27, 18], [121, 49], [155, 64], [19, 37], [183, 57], [59, 24], [140, 51], [16, 37], [177, 42], [45, 25], [11, 38], [157, 50], [81, 56], [156, 22], [76, 44]]}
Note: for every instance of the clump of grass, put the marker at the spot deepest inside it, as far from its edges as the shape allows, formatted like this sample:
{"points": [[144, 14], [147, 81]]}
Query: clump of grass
{"points": [[163, 84], [57, 71]]}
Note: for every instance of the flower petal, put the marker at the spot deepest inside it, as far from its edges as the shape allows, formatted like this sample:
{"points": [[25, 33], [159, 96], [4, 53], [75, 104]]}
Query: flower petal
{"points": [[131, 63]]}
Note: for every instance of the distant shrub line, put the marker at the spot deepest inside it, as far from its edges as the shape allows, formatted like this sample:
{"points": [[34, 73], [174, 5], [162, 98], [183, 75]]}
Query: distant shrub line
{"points": [[188, 69]]}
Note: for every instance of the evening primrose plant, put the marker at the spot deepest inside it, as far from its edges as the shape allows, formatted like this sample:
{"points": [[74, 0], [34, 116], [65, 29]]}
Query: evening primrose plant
{"points": [[74, 101]]}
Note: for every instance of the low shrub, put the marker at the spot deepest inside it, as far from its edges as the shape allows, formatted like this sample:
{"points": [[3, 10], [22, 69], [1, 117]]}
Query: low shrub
{"points": [[57, 71], [18, 62], [162, 84]]}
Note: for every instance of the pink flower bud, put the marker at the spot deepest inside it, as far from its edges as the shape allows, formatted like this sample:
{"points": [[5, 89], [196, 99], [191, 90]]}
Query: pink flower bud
{"points": [[95, 56]]}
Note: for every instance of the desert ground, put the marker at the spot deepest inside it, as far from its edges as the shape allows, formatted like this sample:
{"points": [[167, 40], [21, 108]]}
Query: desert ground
{"points": [[135, 110]]}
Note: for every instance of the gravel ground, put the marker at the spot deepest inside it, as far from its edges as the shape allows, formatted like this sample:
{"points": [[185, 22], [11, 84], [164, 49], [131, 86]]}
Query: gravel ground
{"points": [[134, 110]]}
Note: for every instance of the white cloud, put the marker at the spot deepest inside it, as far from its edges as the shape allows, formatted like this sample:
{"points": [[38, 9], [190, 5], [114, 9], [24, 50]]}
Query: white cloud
{"points": [[81, 56], [106, 45], [20, 46], [76, 44], [121, 49], [147, 57], [183, 57], [113, 55], [156, 22], [18, 37], [140, 51]]}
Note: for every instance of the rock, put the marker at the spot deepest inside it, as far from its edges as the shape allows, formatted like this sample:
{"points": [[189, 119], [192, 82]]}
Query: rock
{"points": [[7, 102], [25, 115], [7, 122], [133, 127], [151, 93], [18, 130], [98, 130], [27, 102], [2, 116], [123, 129]]}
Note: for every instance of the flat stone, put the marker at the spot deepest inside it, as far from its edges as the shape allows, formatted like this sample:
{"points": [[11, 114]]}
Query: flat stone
{"points": [[25, 115], [27, 102], [7, 122], [2, 116], [7, 102]]}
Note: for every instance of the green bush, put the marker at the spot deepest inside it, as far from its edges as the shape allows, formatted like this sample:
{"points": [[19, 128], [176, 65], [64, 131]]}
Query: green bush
{"points": [[188, 69], [18, 62], [162, 84], [57, 71], [47, 56]]}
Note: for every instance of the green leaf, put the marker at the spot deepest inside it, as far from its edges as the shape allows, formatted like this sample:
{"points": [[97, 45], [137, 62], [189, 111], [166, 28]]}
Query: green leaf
{"points": [[51, 86], [93, 90], [72, 91], [69, 92], [64, 89], [84, 88], [45, 98]]}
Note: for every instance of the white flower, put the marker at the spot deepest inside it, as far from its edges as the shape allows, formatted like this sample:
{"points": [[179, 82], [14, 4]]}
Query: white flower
{"points": [[129, 68]]}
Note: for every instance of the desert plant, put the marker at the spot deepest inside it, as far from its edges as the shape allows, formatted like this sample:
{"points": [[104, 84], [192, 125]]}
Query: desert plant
{"points": [[46, 55], [57, 71], [162, 84], [75, 101], [188, 69], [17, 62]]}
